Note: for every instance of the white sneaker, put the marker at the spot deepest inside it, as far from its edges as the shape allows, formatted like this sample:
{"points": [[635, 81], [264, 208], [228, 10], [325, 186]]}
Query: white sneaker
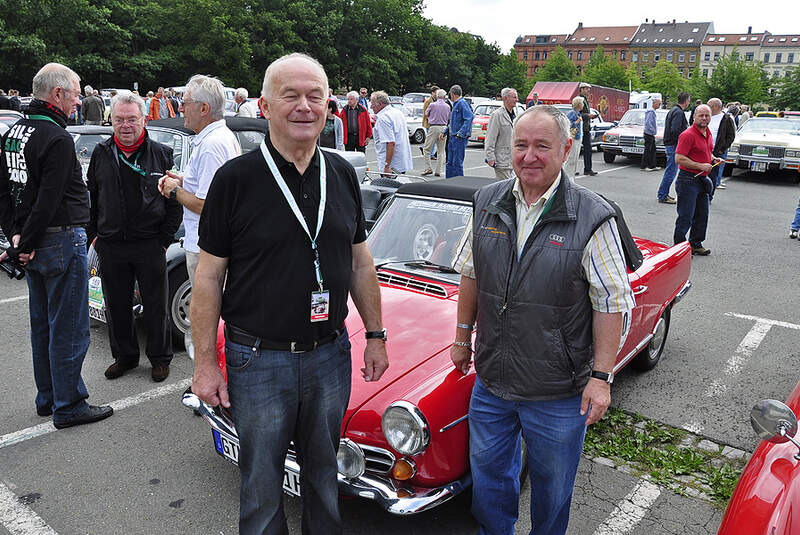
{"points": [[793, 234], [721, 186]]}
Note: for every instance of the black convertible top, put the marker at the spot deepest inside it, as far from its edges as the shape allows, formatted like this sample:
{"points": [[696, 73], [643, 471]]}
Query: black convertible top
{"points": [[459, 188], [236, 124]]}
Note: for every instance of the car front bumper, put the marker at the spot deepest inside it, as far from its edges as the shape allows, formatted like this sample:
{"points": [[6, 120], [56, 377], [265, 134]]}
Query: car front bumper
{"points": [[394, 497], [633, 151], [772, 164]]}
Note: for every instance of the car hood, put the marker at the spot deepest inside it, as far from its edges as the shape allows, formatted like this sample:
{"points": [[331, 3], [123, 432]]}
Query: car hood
{"points": [[768, 138], [418, 327]]}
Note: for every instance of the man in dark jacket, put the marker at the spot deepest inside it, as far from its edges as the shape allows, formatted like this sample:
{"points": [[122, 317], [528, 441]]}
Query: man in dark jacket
{"points": [[725, 136], [92, 107], [674, 124], [44, 207], [356, 123], [134, 225]]}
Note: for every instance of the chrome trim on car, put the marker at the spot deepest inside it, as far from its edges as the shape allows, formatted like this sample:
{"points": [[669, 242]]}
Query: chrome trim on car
{"points": [[453, 423], [417, 415], [682, 293], [621, 364], [403, 281]]}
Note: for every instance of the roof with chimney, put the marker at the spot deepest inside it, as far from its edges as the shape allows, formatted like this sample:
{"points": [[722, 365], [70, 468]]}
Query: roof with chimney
{"points": [[601, 35], [730, 39], [671, 34]]}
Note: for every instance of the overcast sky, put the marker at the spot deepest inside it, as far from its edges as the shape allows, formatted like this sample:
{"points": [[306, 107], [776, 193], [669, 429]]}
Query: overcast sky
{"points": [[501, 21]]}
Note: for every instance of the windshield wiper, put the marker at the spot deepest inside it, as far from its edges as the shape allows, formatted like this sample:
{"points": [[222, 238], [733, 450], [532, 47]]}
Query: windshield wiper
{"points": [[421, 264]]}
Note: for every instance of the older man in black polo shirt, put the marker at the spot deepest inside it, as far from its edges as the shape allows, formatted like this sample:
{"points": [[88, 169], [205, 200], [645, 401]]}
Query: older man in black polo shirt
{"points": [[287, 225]]}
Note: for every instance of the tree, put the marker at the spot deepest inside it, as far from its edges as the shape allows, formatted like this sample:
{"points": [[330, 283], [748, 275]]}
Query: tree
{"points": [[557, 68], [698, 85], [664, 78], [787, 91], [604, 70], [734, 79], [508, 71], [634, 77]]}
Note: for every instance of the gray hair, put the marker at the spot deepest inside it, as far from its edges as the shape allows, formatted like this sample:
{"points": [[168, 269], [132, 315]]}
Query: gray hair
{"points": [[382, 97], [126, 96], [456, 90], [715, 102], [88, 90], [554, 113], [441, 93], [209, 90], [242, 92], [51, 76], [505, 91], [577, 102], [266, 88], [353, 94]]}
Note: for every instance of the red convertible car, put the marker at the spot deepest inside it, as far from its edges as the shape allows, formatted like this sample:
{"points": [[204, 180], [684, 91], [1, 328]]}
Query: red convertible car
{"points": [[405, 438], [767, 498]]}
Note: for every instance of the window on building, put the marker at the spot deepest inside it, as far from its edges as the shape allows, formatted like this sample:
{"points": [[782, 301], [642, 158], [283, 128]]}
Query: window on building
{"points": [[716, 56], [766, 57], [536, 69], [778, 57], [544, 54], [681, 58], [635, 56], [569, 54], [525, 55], [656, 55], [790, 57], [748, 56], [705, 73], [580, 54], [692, 58], [707, 57], [646, 56], [777, 73], [669, 56], [622, 55], [537, 55]]}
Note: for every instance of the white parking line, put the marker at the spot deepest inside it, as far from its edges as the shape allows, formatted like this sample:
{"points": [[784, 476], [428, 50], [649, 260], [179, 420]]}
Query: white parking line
{"points": [[43, 429], [631, 510], [13, 299], [612, 169], [18, 518]]}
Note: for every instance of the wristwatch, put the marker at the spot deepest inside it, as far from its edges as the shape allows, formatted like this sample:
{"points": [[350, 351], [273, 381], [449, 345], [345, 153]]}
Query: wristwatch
{"points": [[376, 334], [174, 193], [603, 376]]}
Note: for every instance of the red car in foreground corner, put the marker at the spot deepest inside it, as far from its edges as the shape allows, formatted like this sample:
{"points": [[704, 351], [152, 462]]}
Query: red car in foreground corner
{"points": [[767, 498], [405, 438]]}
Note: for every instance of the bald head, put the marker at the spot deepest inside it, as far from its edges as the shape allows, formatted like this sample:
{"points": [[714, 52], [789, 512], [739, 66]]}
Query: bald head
{"points": [[656, 103], [52, 76], [702, 116], [715, 105], [295, 60]]}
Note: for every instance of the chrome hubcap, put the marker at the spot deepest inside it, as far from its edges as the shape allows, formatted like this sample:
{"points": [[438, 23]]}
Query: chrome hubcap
{"points": [[180, 306]]}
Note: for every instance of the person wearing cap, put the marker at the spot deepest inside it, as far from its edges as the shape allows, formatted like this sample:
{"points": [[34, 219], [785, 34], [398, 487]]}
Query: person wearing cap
{"points": [[534, 101], [586, 119]]}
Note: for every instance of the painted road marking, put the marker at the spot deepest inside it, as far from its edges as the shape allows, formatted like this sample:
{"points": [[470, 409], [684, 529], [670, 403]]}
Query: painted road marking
{"points": [[13, 299], [18, 518], [613, 169], [43, 429], [631, 510]]}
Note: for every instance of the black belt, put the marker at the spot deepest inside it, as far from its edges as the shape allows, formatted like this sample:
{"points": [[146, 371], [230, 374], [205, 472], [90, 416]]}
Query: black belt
{"points": [[62, 228], [238, 336]]}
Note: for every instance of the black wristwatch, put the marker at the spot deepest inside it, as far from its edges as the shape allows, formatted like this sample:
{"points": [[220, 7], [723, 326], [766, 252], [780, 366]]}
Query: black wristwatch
{"points": [[376, 334], [603, 376], [174, 193]]}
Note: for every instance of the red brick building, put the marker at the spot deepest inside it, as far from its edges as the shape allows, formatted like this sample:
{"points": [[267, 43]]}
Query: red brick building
{"points": [[533, 50], [615, 41]]}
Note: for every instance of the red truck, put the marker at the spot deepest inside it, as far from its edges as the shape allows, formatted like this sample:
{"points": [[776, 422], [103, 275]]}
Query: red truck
{"points": [[611, 103]]}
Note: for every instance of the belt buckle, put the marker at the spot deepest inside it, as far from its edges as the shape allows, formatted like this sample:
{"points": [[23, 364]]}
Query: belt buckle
{"points": [[292, 346]]}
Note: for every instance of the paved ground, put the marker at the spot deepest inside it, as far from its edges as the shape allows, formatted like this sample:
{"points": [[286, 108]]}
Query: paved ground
{"points": [[151, 468]]}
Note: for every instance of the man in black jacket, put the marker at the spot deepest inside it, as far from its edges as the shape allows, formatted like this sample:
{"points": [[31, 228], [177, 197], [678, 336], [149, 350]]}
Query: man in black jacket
{"points": [[725, 136], [44, 207], [134, 225], [674, 124]]}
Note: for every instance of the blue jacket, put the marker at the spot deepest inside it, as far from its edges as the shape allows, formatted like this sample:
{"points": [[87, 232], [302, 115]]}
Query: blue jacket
{"points": [[650, 126], [573, 123], [460, 119]]}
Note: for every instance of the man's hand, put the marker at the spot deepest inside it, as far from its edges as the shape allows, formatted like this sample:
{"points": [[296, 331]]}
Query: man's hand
{"points": [[491, 163], [376, 361], [169, 182], [387, 170], [596, 399], [22, 258], [209, 385], [441, 137], [461, 357], [705, 167]]}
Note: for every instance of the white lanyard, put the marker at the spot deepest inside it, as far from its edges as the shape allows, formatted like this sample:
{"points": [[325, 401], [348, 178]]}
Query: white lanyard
{"points": [[296, 210]]}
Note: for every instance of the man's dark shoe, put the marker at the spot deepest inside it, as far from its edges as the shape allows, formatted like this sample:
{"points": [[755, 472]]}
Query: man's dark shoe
{"points": [[93, 413], [118, 369], [46, 411], [700, 251], [668, 200], [160, 372], [590, 173]]}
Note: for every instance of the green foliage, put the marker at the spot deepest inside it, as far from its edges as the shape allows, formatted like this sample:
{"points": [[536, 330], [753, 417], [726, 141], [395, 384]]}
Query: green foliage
{"points": [[604, 70], [787, 92], [665, 78], [557, 68], [508, 71], [698, 86], [633, 74], [736, 79]]}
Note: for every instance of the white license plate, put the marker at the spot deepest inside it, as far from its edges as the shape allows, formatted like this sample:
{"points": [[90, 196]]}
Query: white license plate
{"points": [[633, 150], [760, 167], [228, 447], [97, 313]]}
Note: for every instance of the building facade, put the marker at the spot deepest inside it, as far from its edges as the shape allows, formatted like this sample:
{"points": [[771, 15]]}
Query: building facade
{"points": [[716, 45], [780, 54], [533, 50], [676, 42], [615, 41]]}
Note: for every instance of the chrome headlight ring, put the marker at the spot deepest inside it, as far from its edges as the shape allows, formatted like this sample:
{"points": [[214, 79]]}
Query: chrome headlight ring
{"points": [[405, 428]]}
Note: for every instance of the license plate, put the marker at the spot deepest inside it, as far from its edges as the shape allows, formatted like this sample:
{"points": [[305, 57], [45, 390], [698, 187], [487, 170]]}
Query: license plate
{"points": [[633, 150], [97, 308], [760, 167], [228, 447]]}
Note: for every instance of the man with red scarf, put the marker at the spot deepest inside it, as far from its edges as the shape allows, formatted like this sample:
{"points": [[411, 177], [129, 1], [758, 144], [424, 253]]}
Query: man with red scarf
{"points": [[134, 225]]}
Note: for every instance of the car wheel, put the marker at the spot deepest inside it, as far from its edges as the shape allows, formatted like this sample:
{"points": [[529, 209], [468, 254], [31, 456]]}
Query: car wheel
{"points": [[180, 295], [608, 157], [424, 242], [419, 136], [650, 355]]}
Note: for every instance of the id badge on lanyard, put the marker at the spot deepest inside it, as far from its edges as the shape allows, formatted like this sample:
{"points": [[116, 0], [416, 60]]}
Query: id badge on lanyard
{"points": [[320, 299]]}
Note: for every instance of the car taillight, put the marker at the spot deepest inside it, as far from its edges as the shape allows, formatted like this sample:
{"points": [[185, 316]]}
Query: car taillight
{"points": [[483, 127]]}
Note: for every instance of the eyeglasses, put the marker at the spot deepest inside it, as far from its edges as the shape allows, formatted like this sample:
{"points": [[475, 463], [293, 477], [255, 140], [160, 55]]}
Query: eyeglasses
{"points": [[118, 121]]}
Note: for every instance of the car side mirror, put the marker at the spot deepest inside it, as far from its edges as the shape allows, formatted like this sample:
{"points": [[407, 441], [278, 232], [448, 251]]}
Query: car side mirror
{"points": [[774, 422], [616, 123]]}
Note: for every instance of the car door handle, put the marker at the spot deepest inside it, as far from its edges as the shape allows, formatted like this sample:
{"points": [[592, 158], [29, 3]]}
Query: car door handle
{"points": [[639, 290]]}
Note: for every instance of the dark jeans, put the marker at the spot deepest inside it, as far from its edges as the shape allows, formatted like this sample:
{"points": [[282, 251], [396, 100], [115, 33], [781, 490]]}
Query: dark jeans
{"points": [[649, 156], [669, 173], [692, 210], [277, 397], [455, 156], [354, 146], [59, 312], [120, 264], [716, 174], [587, 151]]}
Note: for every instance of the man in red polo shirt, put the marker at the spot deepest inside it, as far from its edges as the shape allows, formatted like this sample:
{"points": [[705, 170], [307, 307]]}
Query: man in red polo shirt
{"points": [[694, 157]]}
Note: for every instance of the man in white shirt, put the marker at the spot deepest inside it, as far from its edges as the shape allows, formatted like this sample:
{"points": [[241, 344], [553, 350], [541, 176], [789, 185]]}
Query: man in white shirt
{"points": [[716, 116], [214, 144], [390, 132]]}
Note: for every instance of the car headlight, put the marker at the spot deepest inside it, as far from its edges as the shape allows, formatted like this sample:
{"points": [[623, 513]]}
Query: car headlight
{"points": [[405, 428], [792, 153], [613, 139], [734, 148], [350, 459]]}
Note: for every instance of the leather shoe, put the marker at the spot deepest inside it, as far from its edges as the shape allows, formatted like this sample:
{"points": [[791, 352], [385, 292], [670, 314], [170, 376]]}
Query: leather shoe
{"points": [[590, 173], [160, 372], [46, 411], [93, 413], [427, 172], [118, 369], [668, 200], [700, 251]]}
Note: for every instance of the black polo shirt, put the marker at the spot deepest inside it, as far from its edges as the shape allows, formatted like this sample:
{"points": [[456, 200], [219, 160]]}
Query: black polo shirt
{"points": [[271, 276]]}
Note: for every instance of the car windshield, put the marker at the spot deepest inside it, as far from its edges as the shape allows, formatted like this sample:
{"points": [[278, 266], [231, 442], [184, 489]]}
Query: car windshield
{"points": [[485, 109], [768, 124], [84, 147], [636, 118], [170, 139], [249, 139], [413, 229], [414, 98]]}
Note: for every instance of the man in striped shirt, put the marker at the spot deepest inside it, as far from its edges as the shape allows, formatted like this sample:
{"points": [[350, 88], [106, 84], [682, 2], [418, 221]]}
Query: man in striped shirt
{"points": [[542, 271]]}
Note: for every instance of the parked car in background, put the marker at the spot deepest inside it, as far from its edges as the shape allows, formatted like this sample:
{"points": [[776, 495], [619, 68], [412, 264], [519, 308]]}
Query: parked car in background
{"points": [[773, 114], [627, 138], [598, 125], [483, 111], [767, 498], [765, 144], [9, 117], [405, 438], [416, 132]]}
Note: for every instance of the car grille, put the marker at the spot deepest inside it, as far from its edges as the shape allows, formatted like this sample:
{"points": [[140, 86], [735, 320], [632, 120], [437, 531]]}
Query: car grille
{"points": [[774, 152], [378, 460], [627, 141], [401, 281]]}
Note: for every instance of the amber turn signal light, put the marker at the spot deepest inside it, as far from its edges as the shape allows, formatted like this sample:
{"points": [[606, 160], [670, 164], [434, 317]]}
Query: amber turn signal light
{"points": [[404, 469]]}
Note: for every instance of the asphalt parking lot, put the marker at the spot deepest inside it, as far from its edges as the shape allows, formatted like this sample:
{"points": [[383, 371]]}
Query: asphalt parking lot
{"points": [[152, 467]]}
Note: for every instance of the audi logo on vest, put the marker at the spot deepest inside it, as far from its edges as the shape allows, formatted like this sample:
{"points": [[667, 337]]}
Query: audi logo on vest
{"points": [[555, 239]]}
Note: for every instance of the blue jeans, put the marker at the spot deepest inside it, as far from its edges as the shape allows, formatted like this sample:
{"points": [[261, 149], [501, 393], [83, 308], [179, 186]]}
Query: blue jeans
{"points": [[692, 211], [669, 173], [277, 397], [718, 176], [58, 288], [553, 432], [455, 156], [796, 220]]}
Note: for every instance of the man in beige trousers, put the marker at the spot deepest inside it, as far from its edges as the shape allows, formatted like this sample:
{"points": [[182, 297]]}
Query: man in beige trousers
{"points": [[498, 135]]}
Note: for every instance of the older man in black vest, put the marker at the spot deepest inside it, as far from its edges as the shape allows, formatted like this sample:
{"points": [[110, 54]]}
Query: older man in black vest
{"points": [[543, 274]]}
